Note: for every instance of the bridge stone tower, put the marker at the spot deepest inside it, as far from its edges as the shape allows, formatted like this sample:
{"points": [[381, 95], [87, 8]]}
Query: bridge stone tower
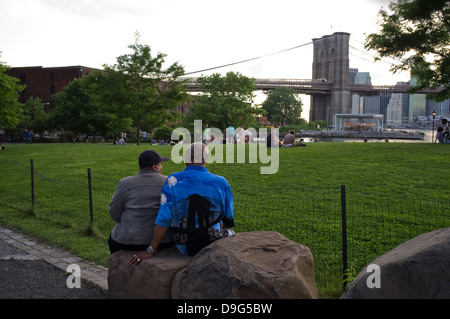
{"points": [[331, 63]]}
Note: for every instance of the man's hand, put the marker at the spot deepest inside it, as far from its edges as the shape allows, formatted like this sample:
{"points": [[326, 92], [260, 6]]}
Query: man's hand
{"points": [[158, 234], [136, 259]]}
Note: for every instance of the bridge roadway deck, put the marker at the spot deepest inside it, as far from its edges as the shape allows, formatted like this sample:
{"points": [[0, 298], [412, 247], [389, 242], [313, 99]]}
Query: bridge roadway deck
{"points": [[318, 86]]}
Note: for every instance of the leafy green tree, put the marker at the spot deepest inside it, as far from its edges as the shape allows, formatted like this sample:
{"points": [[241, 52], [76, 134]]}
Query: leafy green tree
{"points": [[226, 100], [111, 93], [283, 106], [418, 33], [10, 108], [79, 107], [34, 116], [147, 92]]}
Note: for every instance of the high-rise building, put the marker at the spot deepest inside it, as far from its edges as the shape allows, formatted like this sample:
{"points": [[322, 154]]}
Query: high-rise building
{"points": [[416, 104], [397, 110], [442, 108], [357, 102]]}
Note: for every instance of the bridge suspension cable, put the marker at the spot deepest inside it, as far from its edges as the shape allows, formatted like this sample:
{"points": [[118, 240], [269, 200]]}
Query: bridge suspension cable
{"points": [[252, 59], [367, 54], [303, 45]]}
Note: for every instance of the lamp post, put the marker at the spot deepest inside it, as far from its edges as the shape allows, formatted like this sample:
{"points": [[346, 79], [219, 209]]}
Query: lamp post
{"points": [[432, 134]]}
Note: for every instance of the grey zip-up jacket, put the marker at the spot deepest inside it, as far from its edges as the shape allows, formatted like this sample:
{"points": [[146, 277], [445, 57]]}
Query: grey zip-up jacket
{"points": [[134, 207]]}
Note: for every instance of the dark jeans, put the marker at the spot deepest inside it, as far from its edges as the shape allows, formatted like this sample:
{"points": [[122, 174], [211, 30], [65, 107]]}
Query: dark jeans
{"points": [[115, 246]]}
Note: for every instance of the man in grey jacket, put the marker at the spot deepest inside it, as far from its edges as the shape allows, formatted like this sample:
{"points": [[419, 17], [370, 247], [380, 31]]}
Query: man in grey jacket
{"points": [[135, 204]]}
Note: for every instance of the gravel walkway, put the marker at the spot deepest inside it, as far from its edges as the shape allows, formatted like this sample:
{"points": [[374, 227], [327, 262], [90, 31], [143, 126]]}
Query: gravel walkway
{"points": [[30, 270]]}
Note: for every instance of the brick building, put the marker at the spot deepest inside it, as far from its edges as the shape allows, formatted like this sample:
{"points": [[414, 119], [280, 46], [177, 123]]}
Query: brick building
{"points": [[44, 82]]}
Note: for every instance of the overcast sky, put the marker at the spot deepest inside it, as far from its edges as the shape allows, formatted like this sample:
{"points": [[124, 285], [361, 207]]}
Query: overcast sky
{"points": [[199, 34]]}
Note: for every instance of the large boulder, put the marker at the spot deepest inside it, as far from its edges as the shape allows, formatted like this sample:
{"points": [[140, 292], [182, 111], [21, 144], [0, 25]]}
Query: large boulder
{"points": [[252, 265], [246, 265], [418, 269], [150, 279]]}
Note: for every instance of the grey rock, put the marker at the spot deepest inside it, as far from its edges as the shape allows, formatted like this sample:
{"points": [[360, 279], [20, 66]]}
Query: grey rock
{"points": [[251, 265], [416, 269]]}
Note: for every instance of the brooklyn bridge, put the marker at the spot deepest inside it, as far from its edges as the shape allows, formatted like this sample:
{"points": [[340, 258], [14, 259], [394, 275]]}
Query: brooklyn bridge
{"points": [[330, 88]]}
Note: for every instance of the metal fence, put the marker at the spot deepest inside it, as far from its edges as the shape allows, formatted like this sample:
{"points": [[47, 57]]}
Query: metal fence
{"points": [[344, 228]]}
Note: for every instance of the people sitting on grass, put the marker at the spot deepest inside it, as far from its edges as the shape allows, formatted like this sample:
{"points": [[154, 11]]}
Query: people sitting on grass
{"points": [[121, 141], [289, 140]]}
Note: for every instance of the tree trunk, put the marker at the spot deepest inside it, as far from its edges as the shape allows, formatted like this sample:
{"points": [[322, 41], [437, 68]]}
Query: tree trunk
{"points": [[138, 132]]}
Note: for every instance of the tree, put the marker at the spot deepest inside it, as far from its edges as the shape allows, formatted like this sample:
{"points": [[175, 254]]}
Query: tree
{"points": [[79, 107], [10, 108], [34, 116], [225, 101], [148, 92], [283, 106], [418, 33]]}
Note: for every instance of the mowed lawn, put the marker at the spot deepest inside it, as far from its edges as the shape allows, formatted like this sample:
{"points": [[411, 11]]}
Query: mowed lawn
{"points": [[394, 191]]}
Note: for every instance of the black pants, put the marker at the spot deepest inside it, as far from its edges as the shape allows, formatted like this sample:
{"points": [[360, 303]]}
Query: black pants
{"points": [[115, 246]]}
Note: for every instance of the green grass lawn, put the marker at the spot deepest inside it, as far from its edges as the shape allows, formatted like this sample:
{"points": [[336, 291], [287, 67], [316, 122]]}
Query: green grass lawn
{"points": [[394, 191]]}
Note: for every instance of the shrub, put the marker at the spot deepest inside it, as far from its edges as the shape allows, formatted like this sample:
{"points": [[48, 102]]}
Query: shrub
{"points": [[162, 133]]}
